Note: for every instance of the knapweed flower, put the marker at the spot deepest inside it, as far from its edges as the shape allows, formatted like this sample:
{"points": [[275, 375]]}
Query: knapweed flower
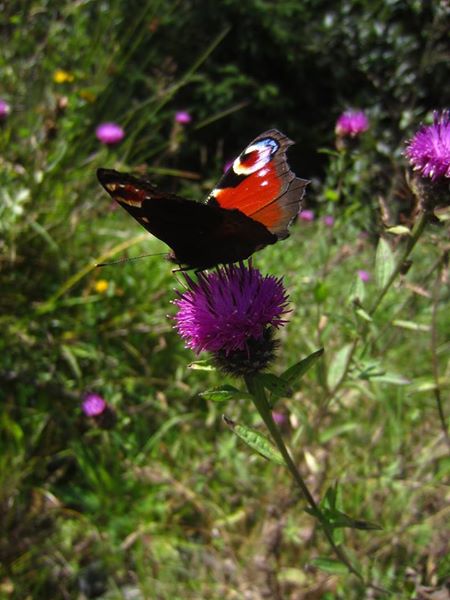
{"points": [[328, 220], [364, 275], [93, 405], [351, 123], [109, 133], [429, 150], [61, 76], [101, 286], [306, 215], [5, 109], [183, 117], [232, 313]]}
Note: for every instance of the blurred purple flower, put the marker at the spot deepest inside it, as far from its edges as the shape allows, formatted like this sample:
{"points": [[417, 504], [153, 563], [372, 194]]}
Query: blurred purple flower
{"points": [[279, 417], [429, 150], [228, 165], [306, 215], [352, 123], [224, 310], [5, 109], [183, 117], [328, 220], [109, 133], [93, 405], [364, 275]]}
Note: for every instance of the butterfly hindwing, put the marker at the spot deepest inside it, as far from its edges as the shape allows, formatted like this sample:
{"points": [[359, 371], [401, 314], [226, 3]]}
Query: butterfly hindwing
{"points": [[261, 185]]}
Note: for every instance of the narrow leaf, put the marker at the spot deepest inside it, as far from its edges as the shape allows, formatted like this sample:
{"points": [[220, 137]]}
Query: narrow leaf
{"points": [[276, 385], [358, 291], [224, 393], [330, 565], [399, 230], [201, 365], [410, 325], [392, 378], [384, 263], [362, 314], [338, 365], [338, 519], [300, 368], [256, 441]]}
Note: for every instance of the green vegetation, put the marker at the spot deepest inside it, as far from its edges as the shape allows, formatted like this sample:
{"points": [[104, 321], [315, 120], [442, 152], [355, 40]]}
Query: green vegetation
{"points": [[161, 500]]}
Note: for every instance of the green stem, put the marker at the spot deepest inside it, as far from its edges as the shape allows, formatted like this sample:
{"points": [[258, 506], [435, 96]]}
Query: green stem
{"points": [[412, 241], [259, 398], [434, 355]]}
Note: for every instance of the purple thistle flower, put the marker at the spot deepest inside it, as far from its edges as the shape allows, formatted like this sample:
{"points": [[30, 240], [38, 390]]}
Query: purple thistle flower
{"points": [[306, 215], [328, 220], [183, 117], [109, 133], [5, 109], [93, 405], [352, 123], [364, 275], [429, 150], [225, 310]]}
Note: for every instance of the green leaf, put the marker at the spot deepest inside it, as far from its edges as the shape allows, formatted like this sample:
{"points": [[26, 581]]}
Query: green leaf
{"points": [[321, 291], [330, 565], [71, 360], [362, 314], [357, 291], [410, 325], [224, 393], [338, 519], [336, 430], [399, 230], [338, 365], [392, 378], [384, 263], [276, 385], [300, 368], [201, 365], [256, 441]]}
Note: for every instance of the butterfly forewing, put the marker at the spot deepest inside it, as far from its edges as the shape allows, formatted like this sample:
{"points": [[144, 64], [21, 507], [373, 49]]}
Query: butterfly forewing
{"points": [[261, 184]]}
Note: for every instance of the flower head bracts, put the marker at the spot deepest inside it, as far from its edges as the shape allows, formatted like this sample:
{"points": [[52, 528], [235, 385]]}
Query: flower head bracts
{"points": [[222, 310]]}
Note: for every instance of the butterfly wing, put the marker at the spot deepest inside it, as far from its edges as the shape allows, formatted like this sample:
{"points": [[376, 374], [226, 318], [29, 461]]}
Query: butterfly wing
{"points": [[200, 235], [261, 185], [172, 219]]}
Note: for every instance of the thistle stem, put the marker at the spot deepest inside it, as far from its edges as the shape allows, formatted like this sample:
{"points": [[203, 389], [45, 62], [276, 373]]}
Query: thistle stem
{"points": [[412, 241], [257, 391], [434, 355]]}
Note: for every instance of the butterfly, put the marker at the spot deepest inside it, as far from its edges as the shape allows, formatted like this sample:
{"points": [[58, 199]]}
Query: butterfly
{"points": [[251, 207]]}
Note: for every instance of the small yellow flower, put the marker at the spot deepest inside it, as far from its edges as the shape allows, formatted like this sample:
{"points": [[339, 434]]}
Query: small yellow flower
{"points": [[61, 76], [101, 286]]}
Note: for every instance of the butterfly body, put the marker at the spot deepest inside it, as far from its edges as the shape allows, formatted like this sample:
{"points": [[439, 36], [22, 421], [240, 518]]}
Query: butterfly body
{"points": [[250, 208]]}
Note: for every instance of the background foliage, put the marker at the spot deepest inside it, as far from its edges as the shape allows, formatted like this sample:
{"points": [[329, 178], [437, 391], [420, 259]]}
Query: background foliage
{"points": [[165, 502]]}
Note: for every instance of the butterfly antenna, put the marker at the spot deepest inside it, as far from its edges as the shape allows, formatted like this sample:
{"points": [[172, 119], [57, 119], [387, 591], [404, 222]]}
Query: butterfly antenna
{"points": [[126, 259]]}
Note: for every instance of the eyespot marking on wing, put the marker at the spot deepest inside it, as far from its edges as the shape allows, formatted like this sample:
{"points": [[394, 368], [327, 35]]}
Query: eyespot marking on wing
{"points": [[255, 157]]}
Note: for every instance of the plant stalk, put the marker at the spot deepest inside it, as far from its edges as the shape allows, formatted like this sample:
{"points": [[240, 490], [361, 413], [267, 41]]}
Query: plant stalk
{"points": [[412, 241], [257, 391]]}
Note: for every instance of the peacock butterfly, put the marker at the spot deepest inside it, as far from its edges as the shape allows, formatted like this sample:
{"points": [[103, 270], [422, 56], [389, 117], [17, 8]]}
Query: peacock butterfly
{"points": [[251, 207]]}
